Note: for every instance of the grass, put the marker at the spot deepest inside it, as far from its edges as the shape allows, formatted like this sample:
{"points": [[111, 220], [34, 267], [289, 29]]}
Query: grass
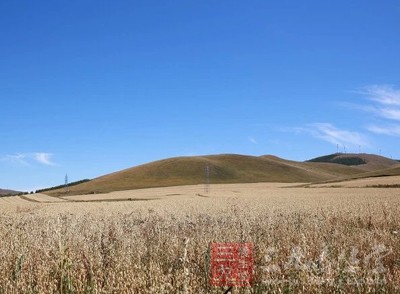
{"points": [[305, 241], [385, 173], [223, 169]]}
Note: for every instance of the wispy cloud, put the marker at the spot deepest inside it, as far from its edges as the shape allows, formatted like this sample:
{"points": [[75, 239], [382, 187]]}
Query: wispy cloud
{"points": [[389, 113], [29, 158], [385, 101], [18, 158], [44, 158], [334, 135], [383, 94], [382, 101], [253, 140], [391, 130]]}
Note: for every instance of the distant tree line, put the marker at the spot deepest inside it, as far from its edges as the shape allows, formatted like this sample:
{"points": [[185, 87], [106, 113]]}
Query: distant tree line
{"points": [[14, 194], [63, 186]]}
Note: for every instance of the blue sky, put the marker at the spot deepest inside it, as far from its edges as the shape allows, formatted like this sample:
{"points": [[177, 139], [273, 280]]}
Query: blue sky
{"points": [[92, 87]]}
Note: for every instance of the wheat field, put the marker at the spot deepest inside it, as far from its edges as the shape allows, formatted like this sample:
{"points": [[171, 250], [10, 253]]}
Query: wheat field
{"points": [[305, 240], [364, 182]]}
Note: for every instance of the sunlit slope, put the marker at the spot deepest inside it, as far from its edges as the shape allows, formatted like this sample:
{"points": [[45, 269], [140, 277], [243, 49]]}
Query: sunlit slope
{"points": [[323, 169], [377, 177], [394, 171], [227, 168], [231, 168]]}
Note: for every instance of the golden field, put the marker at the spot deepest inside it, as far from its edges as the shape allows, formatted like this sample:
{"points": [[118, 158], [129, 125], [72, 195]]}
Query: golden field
{"points": [[306, 240]]}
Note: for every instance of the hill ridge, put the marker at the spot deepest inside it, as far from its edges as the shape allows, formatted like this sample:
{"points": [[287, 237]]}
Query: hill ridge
{"points": [[365, 161], [4, 192], [224, 168]]}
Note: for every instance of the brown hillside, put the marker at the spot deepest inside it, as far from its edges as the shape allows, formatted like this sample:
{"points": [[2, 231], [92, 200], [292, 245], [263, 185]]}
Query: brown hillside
{"points": [[328, 170], [227, 168], [223, 169], [384, 173], [7, 192]]}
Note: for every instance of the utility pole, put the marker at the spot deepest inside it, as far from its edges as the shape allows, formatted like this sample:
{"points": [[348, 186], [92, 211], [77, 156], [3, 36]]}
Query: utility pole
{"points": [[66, 183]]}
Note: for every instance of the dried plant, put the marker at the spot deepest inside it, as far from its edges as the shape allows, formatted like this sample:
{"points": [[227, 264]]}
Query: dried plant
{"points": [[344, 245]]}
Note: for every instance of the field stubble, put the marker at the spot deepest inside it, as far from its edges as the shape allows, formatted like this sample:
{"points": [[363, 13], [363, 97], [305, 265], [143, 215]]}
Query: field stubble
{"points": [[305, 240]]}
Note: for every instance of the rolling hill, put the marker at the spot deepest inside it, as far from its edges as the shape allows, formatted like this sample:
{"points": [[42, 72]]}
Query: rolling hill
{"points": [[233, 168], [367, 162], [4, 192], [226, 168], [374, 166]]}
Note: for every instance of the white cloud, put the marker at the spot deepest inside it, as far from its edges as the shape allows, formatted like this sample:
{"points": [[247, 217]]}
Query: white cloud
{"points": [[43, 158], [393, 130], [383, 94], [253, 140], [390, 113], [29, 158], [18, 158], [333, 135], [385, 99]]}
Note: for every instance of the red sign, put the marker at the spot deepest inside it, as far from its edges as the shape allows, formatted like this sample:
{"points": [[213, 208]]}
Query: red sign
{"points": [[231, 264]]}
